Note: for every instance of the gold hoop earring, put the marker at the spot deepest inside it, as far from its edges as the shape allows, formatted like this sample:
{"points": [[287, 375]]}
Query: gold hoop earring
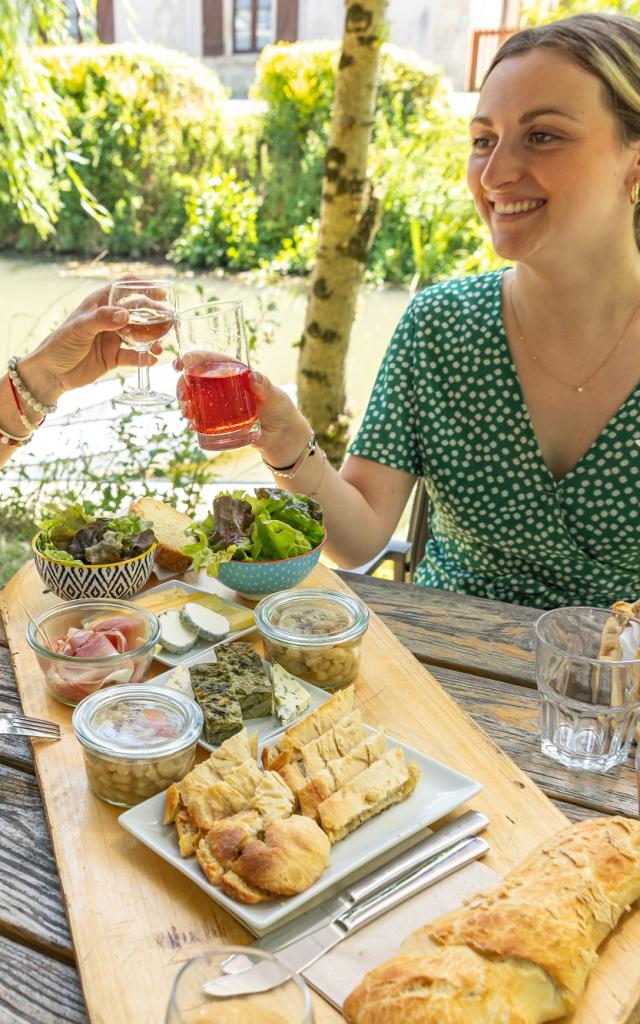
{"points": [[634, 196]]}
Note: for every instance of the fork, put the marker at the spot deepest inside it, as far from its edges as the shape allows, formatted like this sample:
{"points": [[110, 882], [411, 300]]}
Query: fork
{"points": [[14, 724]]}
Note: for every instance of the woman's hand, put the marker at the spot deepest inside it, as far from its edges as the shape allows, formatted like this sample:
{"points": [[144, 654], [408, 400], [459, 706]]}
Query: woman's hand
{"points": [[283, 429], [81, 350]]}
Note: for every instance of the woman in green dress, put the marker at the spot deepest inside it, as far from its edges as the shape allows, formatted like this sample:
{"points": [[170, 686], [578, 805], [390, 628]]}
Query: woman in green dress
{"points": [[515, 394]]}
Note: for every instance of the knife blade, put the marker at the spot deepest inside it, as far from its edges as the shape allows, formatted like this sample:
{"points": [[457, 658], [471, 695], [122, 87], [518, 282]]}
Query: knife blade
{"points": [[301, 954], [467, 825]]}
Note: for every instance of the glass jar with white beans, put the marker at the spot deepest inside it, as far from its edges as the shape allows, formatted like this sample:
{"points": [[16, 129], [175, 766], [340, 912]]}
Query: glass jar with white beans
{"points": [[314, 634], [136, 740]]}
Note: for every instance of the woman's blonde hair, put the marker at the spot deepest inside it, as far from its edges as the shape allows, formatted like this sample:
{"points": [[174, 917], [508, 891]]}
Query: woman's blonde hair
{"points": [[605, 45]]}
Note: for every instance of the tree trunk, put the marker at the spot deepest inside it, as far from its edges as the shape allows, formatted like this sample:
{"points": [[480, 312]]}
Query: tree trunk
{"points": [[348, 223]]}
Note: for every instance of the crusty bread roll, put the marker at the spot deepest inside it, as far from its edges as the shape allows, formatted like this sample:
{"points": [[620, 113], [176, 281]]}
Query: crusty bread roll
{"points": [[522, 953], [290, 858], [170, 528]]}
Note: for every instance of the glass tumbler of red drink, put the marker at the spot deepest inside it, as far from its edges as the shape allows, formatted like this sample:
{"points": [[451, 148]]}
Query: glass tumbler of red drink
{"points": [[212, 339]]}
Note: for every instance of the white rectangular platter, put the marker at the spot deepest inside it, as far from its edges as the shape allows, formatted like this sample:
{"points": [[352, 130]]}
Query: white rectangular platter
{"points": [[266, 728], [440, 789], [202, 647]]}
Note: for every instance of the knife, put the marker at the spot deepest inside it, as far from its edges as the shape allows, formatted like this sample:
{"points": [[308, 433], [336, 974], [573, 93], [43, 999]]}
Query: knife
{"points": [[301, 954], [467, 825]]}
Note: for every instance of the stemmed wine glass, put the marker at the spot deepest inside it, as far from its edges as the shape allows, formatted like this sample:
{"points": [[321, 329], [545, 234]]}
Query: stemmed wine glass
{"points": [[151, 305]]}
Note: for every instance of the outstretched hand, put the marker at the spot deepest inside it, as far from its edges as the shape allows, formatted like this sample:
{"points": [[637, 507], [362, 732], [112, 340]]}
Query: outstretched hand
{"points": [[81, 349]]}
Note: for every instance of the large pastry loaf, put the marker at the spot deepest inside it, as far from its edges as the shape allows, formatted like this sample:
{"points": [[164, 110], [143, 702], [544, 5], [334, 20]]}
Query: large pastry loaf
{"points": [[522, 953]]}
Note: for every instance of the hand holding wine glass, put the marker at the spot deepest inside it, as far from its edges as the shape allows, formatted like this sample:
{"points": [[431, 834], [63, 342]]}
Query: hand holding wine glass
{"points": [[151, 305]]}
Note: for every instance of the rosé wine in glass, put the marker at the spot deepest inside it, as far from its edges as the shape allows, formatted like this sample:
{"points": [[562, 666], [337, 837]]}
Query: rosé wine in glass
{"points": [[217, 373]]}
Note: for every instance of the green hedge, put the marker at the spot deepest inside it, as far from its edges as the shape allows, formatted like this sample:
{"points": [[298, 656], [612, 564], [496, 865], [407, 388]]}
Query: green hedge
{"points": [[429, 227], [154, 150], [146, 122]]}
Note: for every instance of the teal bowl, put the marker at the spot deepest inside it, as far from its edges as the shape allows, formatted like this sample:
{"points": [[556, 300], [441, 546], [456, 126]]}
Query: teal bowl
{"points": [[255, 579]]}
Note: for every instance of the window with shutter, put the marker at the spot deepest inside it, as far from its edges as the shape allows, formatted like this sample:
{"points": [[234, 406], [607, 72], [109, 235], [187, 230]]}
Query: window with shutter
{"points": [[252, 25], [212, 28], [104, 21], [287, 21]]}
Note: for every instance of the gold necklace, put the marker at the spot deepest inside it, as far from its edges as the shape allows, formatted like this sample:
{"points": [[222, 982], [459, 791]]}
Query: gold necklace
{"points": [[574, 387]]}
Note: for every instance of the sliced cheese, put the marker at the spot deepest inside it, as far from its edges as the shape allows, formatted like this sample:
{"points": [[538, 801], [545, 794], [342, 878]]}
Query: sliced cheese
{"points": [[290, 699]]}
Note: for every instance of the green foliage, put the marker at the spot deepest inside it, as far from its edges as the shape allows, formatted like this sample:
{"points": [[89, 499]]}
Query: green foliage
{"points": [[539, 12], [145, 123], [297, 82], [220, 230], [36, 155], [132, 464]]}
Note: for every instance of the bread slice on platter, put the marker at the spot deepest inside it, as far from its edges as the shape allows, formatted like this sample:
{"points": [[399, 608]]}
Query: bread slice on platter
{"points": [[387, 781], [238, 748], [338, 772], [309, 728], [241, 820], [170, 528], [521, 952]]}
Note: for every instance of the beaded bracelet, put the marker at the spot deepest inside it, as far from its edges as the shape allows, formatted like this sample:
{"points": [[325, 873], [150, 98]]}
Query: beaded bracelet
{"points": [[12, 439], [23, 419], [22, 390]]}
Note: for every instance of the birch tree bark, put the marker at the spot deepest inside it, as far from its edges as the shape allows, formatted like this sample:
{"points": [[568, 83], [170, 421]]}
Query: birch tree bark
{"points": [[349, 218]]}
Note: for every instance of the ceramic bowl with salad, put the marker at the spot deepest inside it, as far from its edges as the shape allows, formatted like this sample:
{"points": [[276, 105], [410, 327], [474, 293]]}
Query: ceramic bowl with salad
{"points": [[79, 554], [259, 543]]}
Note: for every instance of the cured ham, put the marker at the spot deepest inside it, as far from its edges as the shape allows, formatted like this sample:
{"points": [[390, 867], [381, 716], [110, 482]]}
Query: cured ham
{"points": [[131, 627]]}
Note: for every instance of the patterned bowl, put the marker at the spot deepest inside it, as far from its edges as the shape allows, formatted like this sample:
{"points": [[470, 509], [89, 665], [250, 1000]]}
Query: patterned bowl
{"points": [[119, 580], [255, 579]]}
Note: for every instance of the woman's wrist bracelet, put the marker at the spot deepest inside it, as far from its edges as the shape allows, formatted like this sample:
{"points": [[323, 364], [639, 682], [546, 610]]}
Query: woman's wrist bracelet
{"points": [[24, 392], [13, 440], [26, 422], [288, 472]]}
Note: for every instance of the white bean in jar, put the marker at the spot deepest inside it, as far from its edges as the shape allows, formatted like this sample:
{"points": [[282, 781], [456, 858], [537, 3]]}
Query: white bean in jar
{"points": [[126, 783], [327, 667]]}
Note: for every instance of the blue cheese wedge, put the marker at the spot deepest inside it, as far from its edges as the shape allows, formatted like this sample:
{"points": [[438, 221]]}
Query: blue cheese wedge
{"points": [[175, 637], [290, 699], [209, 625], [180, 680]]}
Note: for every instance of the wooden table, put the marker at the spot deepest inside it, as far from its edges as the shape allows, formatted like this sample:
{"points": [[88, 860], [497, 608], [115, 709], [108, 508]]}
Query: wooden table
{"points": [[479, 651]]}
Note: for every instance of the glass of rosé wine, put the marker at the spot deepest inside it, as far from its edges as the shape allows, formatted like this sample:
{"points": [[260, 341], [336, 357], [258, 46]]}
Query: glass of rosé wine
{"points": [[212, 339], [151, 305]]}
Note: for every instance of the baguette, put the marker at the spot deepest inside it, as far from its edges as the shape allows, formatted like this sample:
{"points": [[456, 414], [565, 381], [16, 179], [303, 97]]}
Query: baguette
{"points": [[170, 528], [521, 953]]}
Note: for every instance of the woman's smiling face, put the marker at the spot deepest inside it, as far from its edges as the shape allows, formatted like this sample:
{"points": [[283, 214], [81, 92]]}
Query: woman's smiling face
{"points": [[548, 170]]}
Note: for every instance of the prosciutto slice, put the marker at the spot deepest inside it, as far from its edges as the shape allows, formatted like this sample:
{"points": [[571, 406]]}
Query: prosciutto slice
{"points": [[131, 627], [86, 643]]}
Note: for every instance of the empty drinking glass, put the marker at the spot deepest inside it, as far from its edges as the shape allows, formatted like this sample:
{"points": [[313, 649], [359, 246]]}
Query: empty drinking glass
{"points": [[588, 706], [286, 1002]]}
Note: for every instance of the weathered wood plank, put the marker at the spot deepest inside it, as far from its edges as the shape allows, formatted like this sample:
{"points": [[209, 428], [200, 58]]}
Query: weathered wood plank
{"points": [[470, 634], [31, 906], [576, 813], [509, 714], [14, 750], [35, 989]]}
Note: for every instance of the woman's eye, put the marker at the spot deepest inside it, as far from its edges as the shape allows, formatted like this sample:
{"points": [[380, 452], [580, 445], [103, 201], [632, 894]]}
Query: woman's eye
{"points": [[482, 142], [542, 137]]}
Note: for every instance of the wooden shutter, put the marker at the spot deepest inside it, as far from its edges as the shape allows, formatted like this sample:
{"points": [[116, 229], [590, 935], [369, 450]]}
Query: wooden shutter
{"points": [[287, 20], [104, 21], [212, 32]]}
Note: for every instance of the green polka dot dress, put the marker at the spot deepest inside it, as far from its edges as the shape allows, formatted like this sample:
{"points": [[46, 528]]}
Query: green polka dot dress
{"points": [[447, 405]]}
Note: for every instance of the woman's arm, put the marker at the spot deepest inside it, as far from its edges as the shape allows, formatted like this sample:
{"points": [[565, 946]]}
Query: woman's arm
{"points": [[82, 349], [362, 504]]}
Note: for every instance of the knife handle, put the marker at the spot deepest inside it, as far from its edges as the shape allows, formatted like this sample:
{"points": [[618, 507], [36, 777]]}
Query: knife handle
{"points": [[378, 904], [466, 825]]}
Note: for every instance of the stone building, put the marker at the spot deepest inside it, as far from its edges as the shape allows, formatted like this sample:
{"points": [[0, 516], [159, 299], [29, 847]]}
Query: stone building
{"points": [[459, 35]]}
